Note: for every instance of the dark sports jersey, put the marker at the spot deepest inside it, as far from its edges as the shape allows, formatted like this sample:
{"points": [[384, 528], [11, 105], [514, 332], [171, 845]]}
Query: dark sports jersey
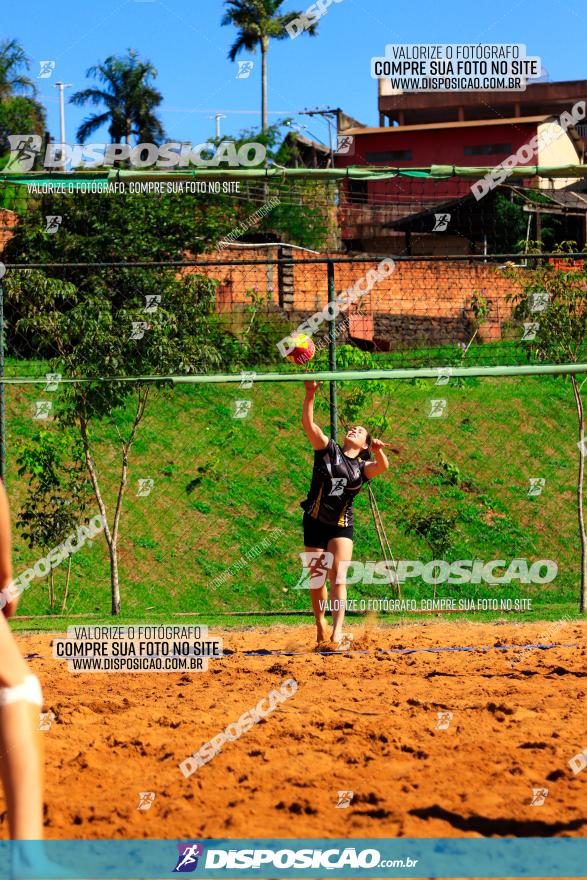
{"points": [[336, 480]]}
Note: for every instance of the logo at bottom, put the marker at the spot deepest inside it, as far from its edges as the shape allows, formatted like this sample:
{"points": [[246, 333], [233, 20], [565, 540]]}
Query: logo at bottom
{"points": [[187, 860]]}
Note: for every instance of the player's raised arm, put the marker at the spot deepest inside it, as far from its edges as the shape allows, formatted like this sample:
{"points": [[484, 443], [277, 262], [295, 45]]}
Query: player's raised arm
{"points": [[314, 433], [381, 463]]}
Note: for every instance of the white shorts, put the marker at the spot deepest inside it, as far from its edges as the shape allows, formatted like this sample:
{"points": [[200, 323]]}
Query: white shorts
{"points": [[29, 692]]}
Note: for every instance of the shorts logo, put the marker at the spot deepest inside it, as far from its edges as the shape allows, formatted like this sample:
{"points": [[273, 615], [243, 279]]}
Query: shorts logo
{"points": [[444, 719], [187, 860], [138, 329], [42, 409], [152, 303], [345, 145], [530, 331], [47, 68], [146, 800], [52, 223]]}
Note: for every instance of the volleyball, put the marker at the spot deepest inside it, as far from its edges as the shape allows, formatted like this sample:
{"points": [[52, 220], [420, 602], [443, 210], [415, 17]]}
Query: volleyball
{"points": [[303, 350]]}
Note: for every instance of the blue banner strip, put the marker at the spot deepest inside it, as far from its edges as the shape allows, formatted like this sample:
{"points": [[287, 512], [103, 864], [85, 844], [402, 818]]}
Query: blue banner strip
{"points": [[286, 858]]}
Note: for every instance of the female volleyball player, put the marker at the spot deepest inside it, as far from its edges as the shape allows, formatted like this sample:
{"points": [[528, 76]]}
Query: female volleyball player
{"points": [[20, 701], [339, 472]]}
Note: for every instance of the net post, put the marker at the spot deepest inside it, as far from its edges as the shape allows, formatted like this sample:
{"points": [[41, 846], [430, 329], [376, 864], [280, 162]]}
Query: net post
{"points": [[332, 350]]}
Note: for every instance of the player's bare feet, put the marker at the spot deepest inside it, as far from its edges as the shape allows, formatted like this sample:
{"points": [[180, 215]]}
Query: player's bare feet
{"points": [[321, 631], [341, 642]]}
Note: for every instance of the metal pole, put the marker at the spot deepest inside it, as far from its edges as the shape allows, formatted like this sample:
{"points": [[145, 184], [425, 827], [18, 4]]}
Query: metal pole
{"points": [[332, 351], [330, 142], [61, 114], [218, 117], [61, 86], [2, 402]]}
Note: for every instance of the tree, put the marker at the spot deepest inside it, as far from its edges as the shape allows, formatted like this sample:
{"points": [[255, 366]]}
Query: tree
{"points": [[509, 230], [101, 333], [556, 330], [20, 116], [121, 227], [129, 97], [20, 113], [58, 498], [303, 212], [81, 321], [259, 21], [13, 81]]}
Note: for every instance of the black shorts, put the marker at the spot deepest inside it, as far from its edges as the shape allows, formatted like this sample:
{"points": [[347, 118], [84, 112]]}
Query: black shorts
{"points": [[318, 534]]}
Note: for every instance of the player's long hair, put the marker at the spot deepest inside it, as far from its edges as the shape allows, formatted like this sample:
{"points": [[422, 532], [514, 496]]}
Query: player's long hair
{"points": [[365, 454]]}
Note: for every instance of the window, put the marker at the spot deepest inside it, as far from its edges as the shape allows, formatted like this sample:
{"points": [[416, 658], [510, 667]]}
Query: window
{"points": [[488, 149], [358, 191], [390, 156]]}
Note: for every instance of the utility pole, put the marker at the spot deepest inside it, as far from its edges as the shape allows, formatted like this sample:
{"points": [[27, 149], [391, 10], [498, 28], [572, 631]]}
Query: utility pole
{"points": [[218, 117], [61, 86], [329, 113]]}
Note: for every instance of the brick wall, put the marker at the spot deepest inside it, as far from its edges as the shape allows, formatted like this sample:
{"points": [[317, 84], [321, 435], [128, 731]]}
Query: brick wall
{"points": [[420, 302], [566, 265], [8, 221]]}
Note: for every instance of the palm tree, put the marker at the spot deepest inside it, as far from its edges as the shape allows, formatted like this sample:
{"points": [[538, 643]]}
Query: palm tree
{"points": [[258, 21], [129, 98], [12, 81]]}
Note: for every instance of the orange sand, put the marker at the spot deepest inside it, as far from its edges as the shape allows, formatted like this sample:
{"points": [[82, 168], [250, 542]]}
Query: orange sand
{"points": [[365, 723]]}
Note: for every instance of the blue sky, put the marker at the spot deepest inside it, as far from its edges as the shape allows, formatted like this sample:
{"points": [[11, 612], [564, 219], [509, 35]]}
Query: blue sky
{"points": [[187, 45]]}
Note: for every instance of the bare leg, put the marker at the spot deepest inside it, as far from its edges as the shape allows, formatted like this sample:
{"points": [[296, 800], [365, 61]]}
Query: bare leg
{"points": [[318, 593], [342, 551], [20, 761]]}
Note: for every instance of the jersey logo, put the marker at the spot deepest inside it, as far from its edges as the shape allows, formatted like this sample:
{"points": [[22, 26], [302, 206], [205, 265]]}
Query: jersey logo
{"points": [[338, 485]]}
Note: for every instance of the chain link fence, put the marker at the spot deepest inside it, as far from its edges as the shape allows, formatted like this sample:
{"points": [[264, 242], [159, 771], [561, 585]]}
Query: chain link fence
{"points": [[199, 482]]}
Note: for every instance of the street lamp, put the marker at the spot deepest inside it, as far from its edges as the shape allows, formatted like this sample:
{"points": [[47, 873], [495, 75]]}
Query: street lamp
{"points": [[61, 86]]}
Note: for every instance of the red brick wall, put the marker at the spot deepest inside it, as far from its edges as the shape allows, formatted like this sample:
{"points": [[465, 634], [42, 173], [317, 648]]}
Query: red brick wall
{"points": [[8, 221], [236, 280], [416, 289], [421, 289], [566, 265]]}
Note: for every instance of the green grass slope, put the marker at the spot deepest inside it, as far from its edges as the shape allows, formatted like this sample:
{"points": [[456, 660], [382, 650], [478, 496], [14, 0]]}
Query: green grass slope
{"points": [[227, 487]]}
